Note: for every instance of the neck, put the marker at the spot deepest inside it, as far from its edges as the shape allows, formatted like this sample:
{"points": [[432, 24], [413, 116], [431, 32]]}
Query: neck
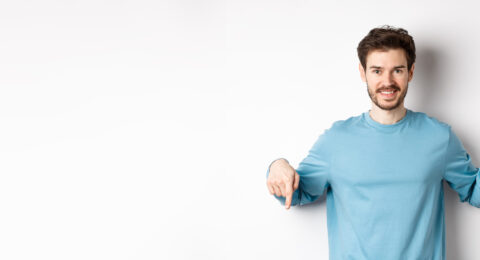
{"points": [[387, 117]]}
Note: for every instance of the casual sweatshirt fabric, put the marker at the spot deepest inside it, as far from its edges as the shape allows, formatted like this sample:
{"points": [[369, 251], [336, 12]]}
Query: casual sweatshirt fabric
{"points": [[384, 185]]}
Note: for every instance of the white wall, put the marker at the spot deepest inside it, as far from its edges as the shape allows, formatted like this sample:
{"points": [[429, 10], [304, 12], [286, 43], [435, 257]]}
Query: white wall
{"points": [[143, 129]]}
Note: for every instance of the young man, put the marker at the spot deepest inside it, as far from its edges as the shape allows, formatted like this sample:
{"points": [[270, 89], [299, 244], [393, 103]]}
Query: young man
{"points": [[382, 170]]}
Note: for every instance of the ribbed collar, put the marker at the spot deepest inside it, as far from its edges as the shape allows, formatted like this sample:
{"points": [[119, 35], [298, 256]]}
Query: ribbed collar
{"points": [[387, 128]]}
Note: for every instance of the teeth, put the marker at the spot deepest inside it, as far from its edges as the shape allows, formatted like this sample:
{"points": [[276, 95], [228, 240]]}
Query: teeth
{"points": [[389, 92]]}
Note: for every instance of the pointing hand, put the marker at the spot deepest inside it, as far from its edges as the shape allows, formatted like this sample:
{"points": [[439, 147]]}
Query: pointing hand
{"points": [[283, 180]]}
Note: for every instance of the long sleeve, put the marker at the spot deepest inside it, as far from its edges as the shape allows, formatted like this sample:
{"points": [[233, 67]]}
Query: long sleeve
{"points": [[313, 171], [460, 174]]}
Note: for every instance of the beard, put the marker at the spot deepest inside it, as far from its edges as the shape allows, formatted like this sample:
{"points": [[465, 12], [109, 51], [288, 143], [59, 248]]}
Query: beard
{"points": [[374, 97]]}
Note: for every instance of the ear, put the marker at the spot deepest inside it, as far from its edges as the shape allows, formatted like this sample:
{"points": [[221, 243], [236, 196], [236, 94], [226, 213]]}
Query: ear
{"points": [[362, 72], [410, 73]]}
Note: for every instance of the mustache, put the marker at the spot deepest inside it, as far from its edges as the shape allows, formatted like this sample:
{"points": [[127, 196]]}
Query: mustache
{"points": [[394, 87]]}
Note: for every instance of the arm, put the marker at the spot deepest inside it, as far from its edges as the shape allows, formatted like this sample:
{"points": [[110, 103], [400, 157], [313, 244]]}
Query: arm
{"points": [[313, 172], [460, 173]]}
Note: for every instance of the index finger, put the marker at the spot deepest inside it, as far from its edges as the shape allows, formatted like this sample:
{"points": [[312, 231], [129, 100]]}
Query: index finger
{"points": [[289, 193]]}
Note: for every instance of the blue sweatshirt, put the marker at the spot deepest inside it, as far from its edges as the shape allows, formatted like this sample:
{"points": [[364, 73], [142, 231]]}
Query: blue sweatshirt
{"points": [[384, 185]]}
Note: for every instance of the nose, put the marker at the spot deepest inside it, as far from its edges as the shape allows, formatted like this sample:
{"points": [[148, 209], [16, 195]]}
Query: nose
{"points": [[388, 79]]}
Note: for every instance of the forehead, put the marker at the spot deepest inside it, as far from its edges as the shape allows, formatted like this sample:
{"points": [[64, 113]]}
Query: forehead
{"points": [[390, 57]]}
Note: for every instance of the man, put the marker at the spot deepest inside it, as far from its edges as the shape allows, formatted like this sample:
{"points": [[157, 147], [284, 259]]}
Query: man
{"points": [[382, 170]]}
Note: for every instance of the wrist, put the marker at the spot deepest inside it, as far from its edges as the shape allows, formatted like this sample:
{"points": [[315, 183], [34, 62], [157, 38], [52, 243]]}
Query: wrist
{"points": [[277, 160]]}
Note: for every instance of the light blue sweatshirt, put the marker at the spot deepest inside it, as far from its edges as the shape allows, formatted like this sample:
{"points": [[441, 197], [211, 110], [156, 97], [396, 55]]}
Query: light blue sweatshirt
{"points": [[384, 185]]}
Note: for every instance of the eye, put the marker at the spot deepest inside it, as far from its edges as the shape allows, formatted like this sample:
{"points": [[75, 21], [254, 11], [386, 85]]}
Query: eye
{"points": [[376, 71], [398, 71]]}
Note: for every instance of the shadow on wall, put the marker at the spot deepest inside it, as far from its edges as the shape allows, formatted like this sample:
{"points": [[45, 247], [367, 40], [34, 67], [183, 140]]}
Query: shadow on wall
{"points": [[431, 77], [431, 72]]}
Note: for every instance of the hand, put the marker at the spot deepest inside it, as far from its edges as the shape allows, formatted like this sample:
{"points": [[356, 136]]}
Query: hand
{"points": [[283, 180]]}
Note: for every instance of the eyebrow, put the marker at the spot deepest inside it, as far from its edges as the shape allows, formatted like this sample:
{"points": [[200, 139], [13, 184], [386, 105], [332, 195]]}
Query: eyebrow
{"points": [[396, 67]]}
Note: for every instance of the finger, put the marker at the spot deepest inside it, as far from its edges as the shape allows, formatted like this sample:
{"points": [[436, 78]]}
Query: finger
{"points": [[277, 190], [288, 196], [297, 181], [282, 189], [270, 189]]}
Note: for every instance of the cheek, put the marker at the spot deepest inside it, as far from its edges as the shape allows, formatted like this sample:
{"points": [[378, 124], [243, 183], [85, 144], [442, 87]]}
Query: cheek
{"points": [[402, 84], [402, 79], [372, 81]]}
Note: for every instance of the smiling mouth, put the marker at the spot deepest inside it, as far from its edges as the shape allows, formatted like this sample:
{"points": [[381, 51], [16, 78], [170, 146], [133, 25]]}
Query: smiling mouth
{"points": [[388, 93]]}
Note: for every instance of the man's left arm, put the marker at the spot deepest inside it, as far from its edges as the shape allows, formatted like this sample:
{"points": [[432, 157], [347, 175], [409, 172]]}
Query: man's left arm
{"points": [[460, 173]]}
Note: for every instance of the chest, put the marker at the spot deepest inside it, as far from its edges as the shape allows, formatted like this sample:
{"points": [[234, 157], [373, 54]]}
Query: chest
{"points": [[385, 160]]}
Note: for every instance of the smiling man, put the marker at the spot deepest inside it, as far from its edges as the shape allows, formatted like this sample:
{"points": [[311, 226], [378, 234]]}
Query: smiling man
{"points": [[383, 169]]}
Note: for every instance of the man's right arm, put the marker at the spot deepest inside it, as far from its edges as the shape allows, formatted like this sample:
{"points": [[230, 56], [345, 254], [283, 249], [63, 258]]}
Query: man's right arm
{"points": [[305, 184]]}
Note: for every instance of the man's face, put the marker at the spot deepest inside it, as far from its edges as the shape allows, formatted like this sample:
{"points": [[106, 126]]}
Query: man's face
{"points": [[387, 77]]}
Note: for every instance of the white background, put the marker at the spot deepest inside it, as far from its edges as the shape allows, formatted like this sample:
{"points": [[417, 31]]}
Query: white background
{"points": [[143, 129]]}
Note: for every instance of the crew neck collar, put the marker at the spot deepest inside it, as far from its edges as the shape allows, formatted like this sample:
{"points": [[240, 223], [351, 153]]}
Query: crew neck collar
{"points": [[370, 121]]}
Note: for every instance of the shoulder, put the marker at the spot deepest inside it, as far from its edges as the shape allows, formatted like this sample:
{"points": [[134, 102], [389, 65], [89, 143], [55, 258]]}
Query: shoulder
{"points": [[329, 135], [345, 124], [426, 122], [430, 129]]}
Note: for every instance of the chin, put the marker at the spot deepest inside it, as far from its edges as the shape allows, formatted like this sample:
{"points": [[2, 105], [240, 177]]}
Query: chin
{"points": [[389, 107]]}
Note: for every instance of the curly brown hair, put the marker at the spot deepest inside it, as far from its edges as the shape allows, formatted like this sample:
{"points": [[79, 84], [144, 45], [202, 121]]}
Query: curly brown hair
{"points": [[384, 38]]}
